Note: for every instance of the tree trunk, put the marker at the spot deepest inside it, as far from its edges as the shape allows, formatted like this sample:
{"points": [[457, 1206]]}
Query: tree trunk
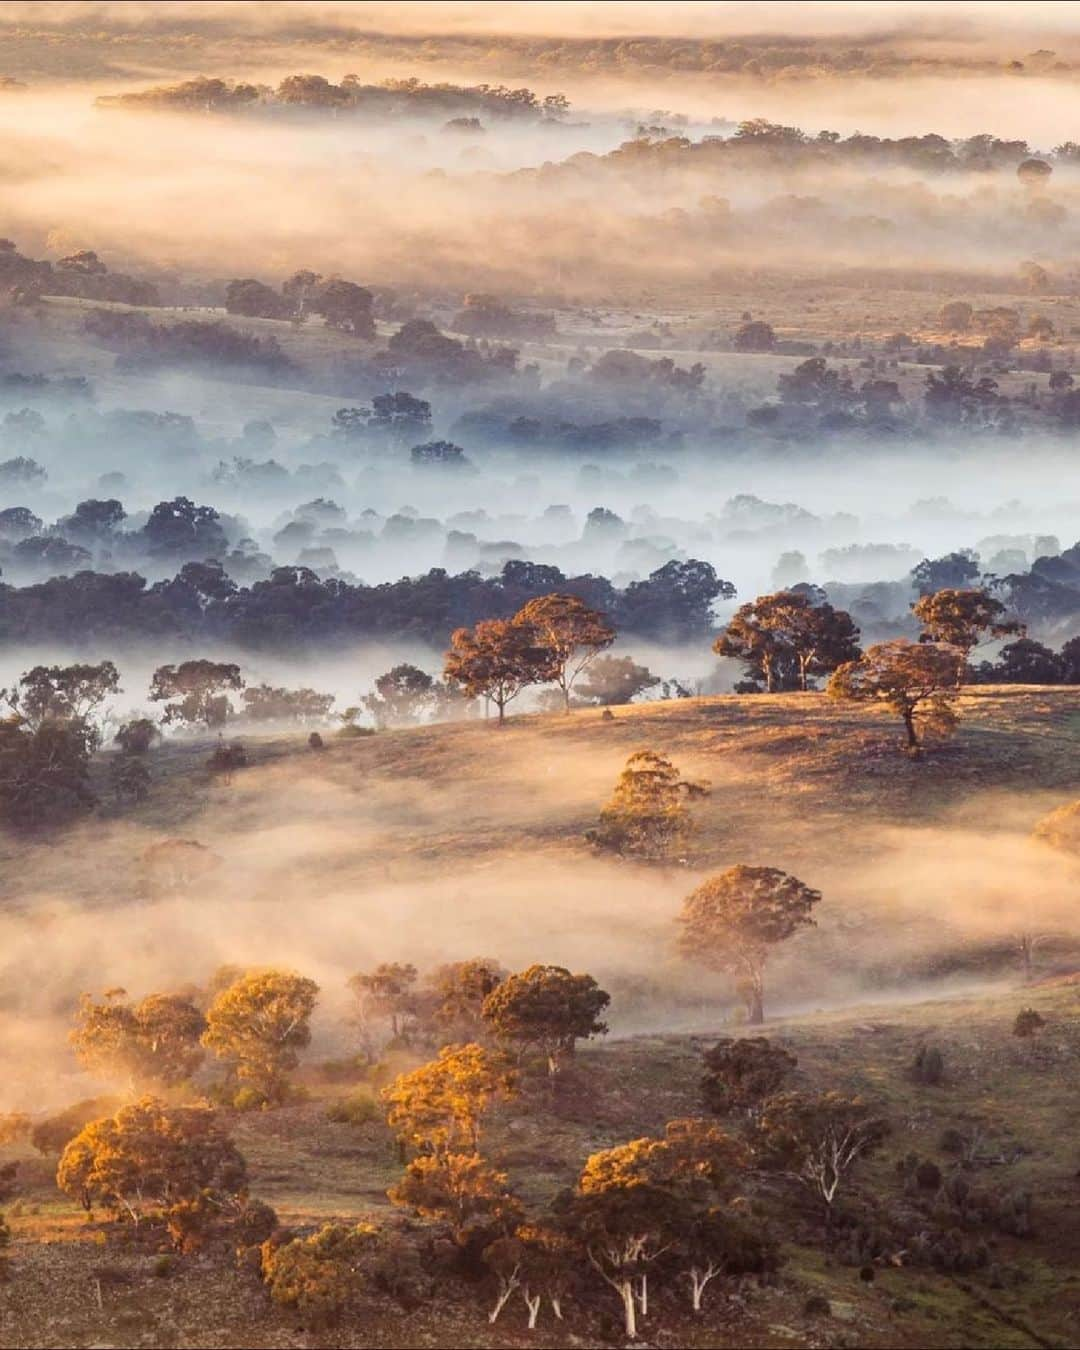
{"points": [[909, 727], [755, 1000], [501, 705], [626, 1292], [532, 1302], [767, 670], [566, 698]]}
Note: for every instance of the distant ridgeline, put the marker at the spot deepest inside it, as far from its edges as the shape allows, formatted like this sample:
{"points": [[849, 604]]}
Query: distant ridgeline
{"points": [[388, 98]]}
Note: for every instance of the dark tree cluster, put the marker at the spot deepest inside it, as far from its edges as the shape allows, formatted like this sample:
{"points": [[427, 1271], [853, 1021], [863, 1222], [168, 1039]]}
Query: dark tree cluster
{"points": [[386, 100], [294, 609]]}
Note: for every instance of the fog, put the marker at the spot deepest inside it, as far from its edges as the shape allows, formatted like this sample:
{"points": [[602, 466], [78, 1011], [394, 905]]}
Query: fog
{"points": [[333, 871], [691, 445]]}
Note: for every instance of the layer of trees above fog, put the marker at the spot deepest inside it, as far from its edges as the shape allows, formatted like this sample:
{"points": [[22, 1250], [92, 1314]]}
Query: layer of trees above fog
{"points": [[386, 99], [294, 608]]}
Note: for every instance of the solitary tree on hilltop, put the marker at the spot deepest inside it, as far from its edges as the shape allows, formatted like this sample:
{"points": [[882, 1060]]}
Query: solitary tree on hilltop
{"points": [[647, 816], [732, 921], [497, 660], [913, 678]]}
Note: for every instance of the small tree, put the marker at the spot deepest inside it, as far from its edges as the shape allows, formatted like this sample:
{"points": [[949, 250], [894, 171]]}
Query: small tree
{"points": [[63, 694], [497, 659], [319, 1275], [440, 1107], [536, 1260], [137, 737], [1061, 828], [44, 774], [819, 1138], [264, 703], [573, 633], [625, 1219], [615, 679], [956, 316], [647, 816], [732, 921], [258, 1026], [199, 690], [912, 678], [155, 1163], [547, 1007], [402, 696], [155, 1042], [741, 1073], [459, 1188], [639, 1200], [387, 994], [962, 618], [457, 993]]}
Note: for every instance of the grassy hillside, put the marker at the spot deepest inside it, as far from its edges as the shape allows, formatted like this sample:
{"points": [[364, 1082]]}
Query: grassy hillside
{"points": [[446, 842]]}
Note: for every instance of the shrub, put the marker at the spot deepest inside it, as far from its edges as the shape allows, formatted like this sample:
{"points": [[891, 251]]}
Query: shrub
{"points": [[741, 1073], [1028, 1022], [358, 1108], [318, 1276], [928, 1066]]}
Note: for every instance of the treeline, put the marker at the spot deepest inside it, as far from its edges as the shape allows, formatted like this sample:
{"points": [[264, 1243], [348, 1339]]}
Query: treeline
{"points": [[930, 153], [295, 609], [81, 274], [387, 98]]}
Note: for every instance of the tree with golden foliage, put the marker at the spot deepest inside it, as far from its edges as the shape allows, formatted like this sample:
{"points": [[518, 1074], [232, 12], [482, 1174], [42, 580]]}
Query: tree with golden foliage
{"points": [[152, 1042], [647, 817], [914, 679], [549, 1008], [319, 1275], [963, 619], [156, 1163], [461, 1189], [640, 1200], [573, 632], [497, 659], [1061, 828], [440, 1107], [732, 921], [258, 1026]]}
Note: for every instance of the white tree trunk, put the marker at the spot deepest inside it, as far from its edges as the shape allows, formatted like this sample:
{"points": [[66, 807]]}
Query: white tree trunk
{"points": [[626, 1289], [507, 1285], [532, 1302]]}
